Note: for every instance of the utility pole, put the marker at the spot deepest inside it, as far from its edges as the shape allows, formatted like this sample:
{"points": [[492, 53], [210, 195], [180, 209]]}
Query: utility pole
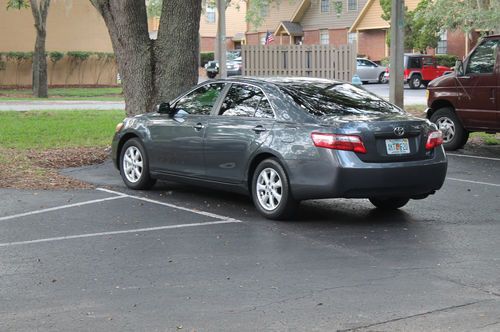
{"points": [[221, 38], [396, 84]]}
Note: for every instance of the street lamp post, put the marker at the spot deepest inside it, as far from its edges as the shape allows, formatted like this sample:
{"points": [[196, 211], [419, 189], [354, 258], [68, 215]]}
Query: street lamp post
{"points": [[221, 37], [396, 84]]}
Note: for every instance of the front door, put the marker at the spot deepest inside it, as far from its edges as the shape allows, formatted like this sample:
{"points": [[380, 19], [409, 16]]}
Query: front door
{"points": [[177, 140], [242, 124], [477, 88]]}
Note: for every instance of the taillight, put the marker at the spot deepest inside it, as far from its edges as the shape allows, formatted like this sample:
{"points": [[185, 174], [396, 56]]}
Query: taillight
{"points": [[339, 142], [435, 139]]}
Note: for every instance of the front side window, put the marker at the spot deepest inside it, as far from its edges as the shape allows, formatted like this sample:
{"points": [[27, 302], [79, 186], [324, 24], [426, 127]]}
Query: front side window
{"points": [[247, 101], [210, 12], [200, 101], [325, 6], [482, 61], [327, 99]]}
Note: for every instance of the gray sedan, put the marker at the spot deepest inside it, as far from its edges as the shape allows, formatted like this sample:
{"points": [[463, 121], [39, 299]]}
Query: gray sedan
{"points": [[282, 141], [369, 71]]}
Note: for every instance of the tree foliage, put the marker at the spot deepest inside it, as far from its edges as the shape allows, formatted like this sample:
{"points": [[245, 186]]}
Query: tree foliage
{"points": [[464, 15], [421, 31]]}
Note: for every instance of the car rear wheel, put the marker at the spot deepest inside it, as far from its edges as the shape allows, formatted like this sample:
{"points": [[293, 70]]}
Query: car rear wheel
{"points": [[454, 134], [134, 165], [271, 191], [393, 203], [415, 82], [381, 78]]}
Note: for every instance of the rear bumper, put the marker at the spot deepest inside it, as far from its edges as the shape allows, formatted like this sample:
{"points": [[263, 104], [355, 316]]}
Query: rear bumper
{"points": [[352, 178]]}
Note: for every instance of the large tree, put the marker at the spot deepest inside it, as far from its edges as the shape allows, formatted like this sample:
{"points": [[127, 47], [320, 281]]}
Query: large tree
{"points": [[40, 10], [153, 70]]}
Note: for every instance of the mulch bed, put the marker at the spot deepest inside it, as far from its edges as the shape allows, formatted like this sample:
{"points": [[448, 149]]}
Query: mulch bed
{"points": [[35, 169]]}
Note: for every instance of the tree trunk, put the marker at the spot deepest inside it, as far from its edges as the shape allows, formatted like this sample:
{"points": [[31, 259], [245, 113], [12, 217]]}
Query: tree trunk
{"points": [[39, 83], [153, 71]]}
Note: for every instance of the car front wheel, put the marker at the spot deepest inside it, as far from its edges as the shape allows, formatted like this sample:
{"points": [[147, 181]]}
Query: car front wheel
{"points": [[134, 165], [389, 203], [454, 134], [271, 191]]}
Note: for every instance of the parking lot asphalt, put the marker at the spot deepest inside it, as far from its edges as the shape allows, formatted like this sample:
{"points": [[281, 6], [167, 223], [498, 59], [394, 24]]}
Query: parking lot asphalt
{"points": [[181, 258]]}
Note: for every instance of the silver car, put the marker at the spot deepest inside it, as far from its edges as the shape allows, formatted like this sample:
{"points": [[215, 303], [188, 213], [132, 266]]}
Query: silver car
{"points": [[369, 71], [282, 141]]}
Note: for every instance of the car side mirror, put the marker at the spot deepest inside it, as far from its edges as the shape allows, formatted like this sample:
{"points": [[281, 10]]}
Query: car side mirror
{"points": [[459, 68], [163, 108]]}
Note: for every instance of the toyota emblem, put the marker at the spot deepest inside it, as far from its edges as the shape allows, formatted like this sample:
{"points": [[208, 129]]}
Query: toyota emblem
{"points": [[399, 131]]}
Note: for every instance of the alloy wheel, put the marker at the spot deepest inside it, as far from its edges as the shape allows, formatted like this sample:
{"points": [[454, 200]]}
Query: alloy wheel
{"points": [[447, 127], [133, 164], [269, 189]]}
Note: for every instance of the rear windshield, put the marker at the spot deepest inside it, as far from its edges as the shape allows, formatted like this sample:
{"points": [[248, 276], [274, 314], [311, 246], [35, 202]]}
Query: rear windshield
{"points": [[336, 99]]}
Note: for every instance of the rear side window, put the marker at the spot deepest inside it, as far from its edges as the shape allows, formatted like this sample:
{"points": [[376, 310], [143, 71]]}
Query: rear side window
{"points": [[334, 99], [201, 100], [414, 62], [247, 101], [482, 61]]}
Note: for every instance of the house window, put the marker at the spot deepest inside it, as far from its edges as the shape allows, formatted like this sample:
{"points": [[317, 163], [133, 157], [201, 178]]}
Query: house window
{"points": [[352, 5], [324, 37], [352, 38], [442, 47], [264, 9], [325, 6], [210, 13]]}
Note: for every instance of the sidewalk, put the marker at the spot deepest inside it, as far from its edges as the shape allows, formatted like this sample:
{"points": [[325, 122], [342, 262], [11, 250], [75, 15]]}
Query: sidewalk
{"points": [[60, 105]]}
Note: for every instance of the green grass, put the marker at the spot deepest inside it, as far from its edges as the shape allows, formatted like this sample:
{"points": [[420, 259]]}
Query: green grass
{"points": [[98, 94], [488, 139], [58, 129]]}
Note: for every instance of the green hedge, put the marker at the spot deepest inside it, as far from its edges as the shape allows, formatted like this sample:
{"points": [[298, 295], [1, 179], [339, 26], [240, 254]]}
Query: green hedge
{"points": [[205, 57], [446, 60]]}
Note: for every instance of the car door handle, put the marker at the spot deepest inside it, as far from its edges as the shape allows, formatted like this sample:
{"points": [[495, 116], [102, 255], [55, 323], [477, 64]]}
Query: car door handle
{"points": [[198, 126], [493, 96], [259, 129]]}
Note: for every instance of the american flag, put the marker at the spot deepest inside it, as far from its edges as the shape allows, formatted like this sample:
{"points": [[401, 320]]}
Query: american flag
{"points": [[269, 38]]}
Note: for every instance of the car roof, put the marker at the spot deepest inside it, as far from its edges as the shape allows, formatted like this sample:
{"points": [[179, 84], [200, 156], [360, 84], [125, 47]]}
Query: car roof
{"points": [[277, 80]]}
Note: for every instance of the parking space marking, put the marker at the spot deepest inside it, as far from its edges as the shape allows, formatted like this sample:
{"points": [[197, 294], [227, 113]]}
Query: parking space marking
{"points": [[203, 213], [475, 182], [476, 157], [61, 207], [128, 231]]}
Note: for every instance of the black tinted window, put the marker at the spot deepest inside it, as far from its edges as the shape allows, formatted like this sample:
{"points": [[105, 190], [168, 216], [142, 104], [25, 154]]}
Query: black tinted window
{"points": [[414, 62], [332, 99], [201, 100], [241, 100], [483, 59]]}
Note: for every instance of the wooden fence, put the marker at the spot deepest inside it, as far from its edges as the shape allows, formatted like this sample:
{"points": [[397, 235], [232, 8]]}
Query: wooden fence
{"points": [[322, 61]]}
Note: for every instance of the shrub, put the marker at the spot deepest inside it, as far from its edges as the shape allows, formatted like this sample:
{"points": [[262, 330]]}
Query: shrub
{"points": [[79, 55], [205, 57], [446, 60], [385, 61], [55, 56]]}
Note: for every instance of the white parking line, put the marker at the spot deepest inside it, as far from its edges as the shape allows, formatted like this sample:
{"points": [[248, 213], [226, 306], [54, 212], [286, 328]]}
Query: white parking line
{"points": [[61, 207], [203, 213], [128, 231], [475, 182], [475, 157]]}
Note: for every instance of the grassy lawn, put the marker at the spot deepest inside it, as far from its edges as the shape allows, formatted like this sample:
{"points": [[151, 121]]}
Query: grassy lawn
{"points": [[34, 145], [98, 94]]}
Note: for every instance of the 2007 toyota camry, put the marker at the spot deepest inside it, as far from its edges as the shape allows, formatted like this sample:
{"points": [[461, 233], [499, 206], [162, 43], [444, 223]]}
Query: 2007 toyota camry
{"points": [[284, 140]]}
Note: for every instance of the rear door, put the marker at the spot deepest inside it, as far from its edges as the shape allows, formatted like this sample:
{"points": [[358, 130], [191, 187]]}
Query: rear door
{"points": [[241, 125], [477, 89], [177, 142]]}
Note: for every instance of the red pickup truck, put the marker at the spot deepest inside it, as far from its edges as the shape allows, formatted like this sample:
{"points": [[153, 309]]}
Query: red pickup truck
{"points": [[420, 69]]}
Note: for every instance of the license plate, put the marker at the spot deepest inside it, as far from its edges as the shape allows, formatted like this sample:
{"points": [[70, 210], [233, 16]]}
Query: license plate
{"points": [[397, 146]]}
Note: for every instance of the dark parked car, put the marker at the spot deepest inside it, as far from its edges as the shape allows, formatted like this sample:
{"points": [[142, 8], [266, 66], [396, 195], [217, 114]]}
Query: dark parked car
{"points": [[283, 141], [468, 100]]}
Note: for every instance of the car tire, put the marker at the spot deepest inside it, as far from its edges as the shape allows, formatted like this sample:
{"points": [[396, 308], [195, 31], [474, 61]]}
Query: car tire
{"points": [[415, 81], [393, 203], [211, 75], [271, 192], [454, 134], [134, 165], [381, 78]]}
